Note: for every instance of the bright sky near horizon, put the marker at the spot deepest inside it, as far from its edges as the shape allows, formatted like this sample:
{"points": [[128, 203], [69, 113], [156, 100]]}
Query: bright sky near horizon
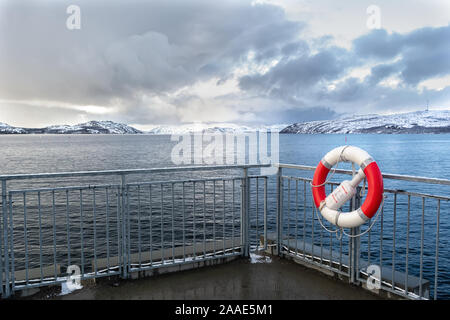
{"points": [[243, 61]]}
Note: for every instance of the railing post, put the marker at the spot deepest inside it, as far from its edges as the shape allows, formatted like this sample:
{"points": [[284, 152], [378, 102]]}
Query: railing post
{"points": [[265, 214], [355, 243], [245, 214], [123, 215], [5, 243], [2, 292], [279, 210]]}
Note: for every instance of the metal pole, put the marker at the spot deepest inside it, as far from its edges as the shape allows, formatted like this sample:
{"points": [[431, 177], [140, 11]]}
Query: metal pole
{"points": [[123, 214], [245, 213], [2, 292], [265, 213], [5, 239], [355, 241], [279, 210], [11, 243]]}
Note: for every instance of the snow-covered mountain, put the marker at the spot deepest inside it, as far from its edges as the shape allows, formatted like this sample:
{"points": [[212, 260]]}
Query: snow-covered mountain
{"points": [[433, 121], [212, 128], [7, 129], [91, 127], [94, 127], [109, 127]]}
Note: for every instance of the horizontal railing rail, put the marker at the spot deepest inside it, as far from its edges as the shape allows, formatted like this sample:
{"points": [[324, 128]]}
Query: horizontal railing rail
{"points": [[385, 175], [404, 243], [127, 172], [120, 228], [158, 217]]}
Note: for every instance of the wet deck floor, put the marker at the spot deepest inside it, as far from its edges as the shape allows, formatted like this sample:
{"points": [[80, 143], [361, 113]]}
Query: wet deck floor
{"points": [[236, 280]]}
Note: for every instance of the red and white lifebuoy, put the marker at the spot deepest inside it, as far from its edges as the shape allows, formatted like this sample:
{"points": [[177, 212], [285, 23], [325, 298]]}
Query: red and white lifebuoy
{"points": [[329, 205]]}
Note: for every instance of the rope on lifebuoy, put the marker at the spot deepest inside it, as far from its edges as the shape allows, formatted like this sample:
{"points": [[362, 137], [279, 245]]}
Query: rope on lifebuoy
{"points": [[342, 229]]}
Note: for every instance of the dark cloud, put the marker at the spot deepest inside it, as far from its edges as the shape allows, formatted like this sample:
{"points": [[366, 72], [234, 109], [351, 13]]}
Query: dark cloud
{"points": [[380, 72], [421, 54], [124, 47], [355, 95], [294, 76], [139, 58], [378, 44], [305, 79]]}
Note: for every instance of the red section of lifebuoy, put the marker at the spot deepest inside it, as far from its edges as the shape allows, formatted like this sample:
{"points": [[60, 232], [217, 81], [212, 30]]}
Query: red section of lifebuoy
{"points": [[319, 178], [374, 193], [375, 190]]}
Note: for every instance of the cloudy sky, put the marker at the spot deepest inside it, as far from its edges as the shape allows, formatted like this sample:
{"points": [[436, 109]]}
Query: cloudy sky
{"points": [[244, 61]]}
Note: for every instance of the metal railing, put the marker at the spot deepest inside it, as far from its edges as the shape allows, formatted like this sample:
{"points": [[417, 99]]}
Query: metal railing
{"points": [[107, 229], [147, 219], [404, 244]]}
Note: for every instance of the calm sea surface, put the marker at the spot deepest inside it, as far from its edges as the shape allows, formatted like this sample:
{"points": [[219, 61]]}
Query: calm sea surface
{"points": [[419, 155]]}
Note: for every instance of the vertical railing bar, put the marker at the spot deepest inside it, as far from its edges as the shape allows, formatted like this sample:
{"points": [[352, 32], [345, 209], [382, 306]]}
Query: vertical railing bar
{"points": [[233, 216], [265, 213], [352, 242], [331, 238], [381, 237], [40, 236], [11, 226], [407, 244], [214, 217], [350, 247], [162, 224], [150, 201], [357, 241], [421, 247], [393, 240], [184, 223], [69, 262], [321, 246], [224, 212], [304, 219], [173, 222], [4, 266], [257, 212], [369, 242], [139, 226], [193, 222], [247, 202], [107, 228], [204, 219], [296, 217], [281, 230], [82, 233], [241, 216], [340, 252], [54, 234], [25, 231], [128, 225], [118, 230], [341, 247], [289, 215], [279, 210], [436, 262], [124, 214], [2, 291], [94, 209], [312, 230]]}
